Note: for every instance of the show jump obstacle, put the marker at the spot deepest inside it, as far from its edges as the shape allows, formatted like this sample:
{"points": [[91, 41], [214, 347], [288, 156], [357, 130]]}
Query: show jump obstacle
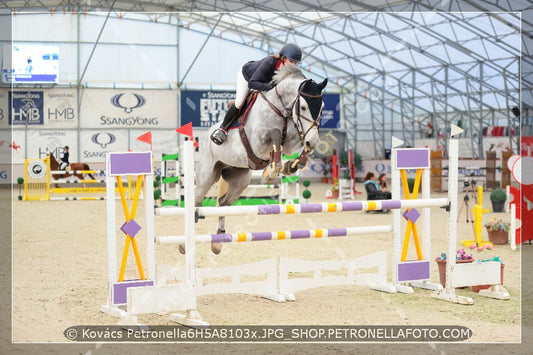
{"points": [[37, 185], [153, 295]]}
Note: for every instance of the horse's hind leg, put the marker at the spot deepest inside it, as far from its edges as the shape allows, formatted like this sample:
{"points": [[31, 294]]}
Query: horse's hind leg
{"points": [[206, 176], [233, 183]]}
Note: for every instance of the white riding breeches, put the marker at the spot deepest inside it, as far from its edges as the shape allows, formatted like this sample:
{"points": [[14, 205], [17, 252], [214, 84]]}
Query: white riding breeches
{"points": [[62, 165], [242, 90]]}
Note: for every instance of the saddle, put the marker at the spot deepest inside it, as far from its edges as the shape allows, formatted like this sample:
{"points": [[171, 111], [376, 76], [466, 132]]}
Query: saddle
{"points": [[254, 162]]}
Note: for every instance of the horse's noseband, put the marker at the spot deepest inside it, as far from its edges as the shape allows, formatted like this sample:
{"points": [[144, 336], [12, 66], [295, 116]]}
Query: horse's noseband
{"points": [[299, 124], [289, 112]]}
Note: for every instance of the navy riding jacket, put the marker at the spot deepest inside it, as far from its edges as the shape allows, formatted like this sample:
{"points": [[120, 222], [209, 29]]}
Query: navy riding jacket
{"points": [[259, 73]]}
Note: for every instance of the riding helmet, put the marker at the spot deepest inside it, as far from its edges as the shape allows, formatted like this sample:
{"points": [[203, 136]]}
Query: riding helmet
{"points": [[291, 51]]}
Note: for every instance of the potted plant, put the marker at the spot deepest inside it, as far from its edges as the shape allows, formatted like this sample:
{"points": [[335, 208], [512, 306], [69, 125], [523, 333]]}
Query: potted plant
{"points": [[157, 191], [460, 257], [498, 197], [498, 231], [20, 181], [485, 249]]}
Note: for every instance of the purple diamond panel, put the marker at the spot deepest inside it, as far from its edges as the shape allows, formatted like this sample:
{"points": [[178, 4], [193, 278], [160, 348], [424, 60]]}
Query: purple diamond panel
{"points": [[413, 271], [120, 289], [411, 215], [131, 228]]}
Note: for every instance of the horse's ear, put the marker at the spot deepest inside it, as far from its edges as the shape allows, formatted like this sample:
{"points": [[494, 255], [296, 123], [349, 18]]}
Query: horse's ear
{"points": [[323, 84]]}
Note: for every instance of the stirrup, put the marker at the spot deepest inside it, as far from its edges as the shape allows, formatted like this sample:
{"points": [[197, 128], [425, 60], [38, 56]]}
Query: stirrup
{"points": [[219, 136]]}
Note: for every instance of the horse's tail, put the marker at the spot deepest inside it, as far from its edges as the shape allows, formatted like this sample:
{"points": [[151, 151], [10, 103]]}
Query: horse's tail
{"points": [[86, 167]]}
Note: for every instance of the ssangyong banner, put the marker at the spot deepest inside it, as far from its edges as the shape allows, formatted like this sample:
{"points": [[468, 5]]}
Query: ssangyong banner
{"points": [[143, 109], [45, 142], [95, 144], [205, 108]]}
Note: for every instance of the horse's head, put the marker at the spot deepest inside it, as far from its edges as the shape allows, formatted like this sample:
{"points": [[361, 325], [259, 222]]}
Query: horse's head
{"points": [[306, 113]]}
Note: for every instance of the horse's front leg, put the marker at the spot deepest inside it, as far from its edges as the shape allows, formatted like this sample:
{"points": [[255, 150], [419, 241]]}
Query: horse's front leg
{"points": [[275, 165], [291, 166]]}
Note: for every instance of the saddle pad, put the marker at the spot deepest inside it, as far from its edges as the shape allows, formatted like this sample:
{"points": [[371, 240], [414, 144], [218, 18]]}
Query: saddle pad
{"points": [[250, 99]]}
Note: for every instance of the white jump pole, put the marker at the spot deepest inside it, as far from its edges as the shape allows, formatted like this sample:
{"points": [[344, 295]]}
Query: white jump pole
{"points": [[323, 207]]}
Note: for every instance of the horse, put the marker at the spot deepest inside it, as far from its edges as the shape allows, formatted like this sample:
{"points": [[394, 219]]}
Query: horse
{"points": [[284, 119], [54, 166]]}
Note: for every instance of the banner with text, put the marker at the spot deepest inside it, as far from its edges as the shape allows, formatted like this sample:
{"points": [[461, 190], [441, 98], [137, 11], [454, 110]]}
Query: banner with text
{"points": [[143, 109], [205, 108], [38, 108]]}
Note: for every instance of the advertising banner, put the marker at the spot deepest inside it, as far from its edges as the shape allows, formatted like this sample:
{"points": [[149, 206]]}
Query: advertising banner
{"points": [[205, 108], [44, 142], [46, 108], [331, 113], [95, 144], [4, 108], [142, 109]]}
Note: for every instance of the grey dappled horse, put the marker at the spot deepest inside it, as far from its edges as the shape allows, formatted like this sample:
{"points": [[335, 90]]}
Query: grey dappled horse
{"points": [[282, 120]]}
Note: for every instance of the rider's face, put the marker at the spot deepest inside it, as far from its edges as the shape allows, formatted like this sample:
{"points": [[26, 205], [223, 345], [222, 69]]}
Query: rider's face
{"points": [[288, 61]]}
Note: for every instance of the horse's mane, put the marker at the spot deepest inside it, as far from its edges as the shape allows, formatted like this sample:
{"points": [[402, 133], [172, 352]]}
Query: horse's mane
{"points": [[287, 71]]}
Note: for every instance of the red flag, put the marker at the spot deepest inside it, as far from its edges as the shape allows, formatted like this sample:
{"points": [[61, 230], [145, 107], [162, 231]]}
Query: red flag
{"points": [[146, 138], [185, 129]]}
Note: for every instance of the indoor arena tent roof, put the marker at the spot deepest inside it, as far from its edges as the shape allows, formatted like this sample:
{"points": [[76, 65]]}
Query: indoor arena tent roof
{"points": [[399, 65]]}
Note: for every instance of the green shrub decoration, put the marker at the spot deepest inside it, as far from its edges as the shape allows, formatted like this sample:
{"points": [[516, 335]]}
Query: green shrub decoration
{"points": [[498, 195]]}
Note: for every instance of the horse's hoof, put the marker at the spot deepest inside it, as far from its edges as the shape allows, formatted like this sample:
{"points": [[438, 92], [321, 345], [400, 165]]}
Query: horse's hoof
{"points": [[181, 248], [216, 248]]}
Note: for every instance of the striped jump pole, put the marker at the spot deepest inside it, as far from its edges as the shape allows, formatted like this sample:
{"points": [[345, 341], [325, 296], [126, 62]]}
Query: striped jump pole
{"points": [[279, 235], [323, 207], [74, 172], [81, 182]]}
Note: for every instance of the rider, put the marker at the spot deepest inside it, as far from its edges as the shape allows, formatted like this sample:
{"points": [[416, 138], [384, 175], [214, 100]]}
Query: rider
{"points": [[64, 160], [255, 75]]}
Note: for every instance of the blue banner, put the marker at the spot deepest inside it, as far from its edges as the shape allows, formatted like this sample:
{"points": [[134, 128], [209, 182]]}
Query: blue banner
{"points": [[331, 113], [26, 107], [205, 108]]}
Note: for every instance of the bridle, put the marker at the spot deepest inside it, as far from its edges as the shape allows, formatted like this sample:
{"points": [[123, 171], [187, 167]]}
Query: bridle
{"points": [[289, 112]]}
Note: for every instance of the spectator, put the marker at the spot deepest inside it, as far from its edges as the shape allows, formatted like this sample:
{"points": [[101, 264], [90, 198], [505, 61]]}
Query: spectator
{"points": [[373, 190]]}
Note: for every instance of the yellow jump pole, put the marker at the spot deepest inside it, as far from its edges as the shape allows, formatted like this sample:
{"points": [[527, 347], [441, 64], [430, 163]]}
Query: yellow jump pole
{"points": [[411, 227], [478, 211], [129, 238]]}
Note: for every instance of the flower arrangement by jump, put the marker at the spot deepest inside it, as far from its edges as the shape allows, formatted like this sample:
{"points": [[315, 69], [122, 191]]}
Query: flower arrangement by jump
{"points": [[495, 224], [335, 184], [459, 255], [485, 249]]}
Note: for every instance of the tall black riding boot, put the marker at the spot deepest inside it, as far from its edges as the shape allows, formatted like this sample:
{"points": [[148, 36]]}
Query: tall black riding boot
{"points": [[219, 135]]}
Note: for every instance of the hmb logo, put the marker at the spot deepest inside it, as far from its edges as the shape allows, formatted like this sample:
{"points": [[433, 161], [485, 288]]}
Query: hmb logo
{"points": [[62, 112], [26, 107], [128, 102]]}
